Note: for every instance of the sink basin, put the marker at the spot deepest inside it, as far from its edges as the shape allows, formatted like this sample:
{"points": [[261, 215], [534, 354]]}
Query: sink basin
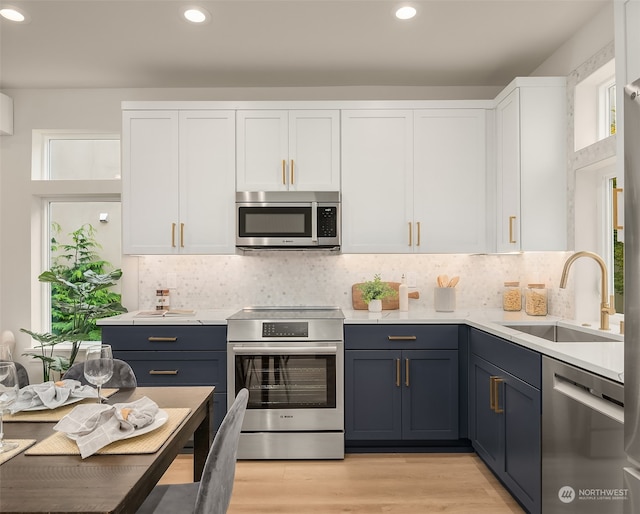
{"points": [[561, 334]]}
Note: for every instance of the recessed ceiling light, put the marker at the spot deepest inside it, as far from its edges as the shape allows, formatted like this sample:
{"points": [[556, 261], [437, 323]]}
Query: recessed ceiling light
{"points": [[196, 15], [406, 12], [14, 14]]}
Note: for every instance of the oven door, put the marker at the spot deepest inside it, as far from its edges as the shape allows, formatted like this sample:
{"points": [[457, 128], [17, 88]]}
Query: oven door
{"points": [[287, 224], [292, 385]]}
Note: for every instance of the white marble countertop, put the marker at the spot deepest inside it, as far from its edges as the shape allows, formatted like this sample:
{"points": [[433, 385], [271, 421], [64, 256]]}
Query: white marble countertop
{"points": [[604, 358]]}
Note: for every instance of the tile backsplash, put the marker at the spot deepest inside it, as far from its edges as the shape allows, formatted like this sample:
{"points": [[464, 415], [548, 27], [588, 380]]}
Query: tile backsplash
{"points": [[323, 278]]}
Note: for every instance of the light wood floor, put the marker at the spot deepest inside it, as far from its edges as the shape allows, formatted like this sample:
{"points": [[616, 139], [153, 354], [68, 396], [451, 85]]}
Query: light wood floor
{"points": [[363, 484]]}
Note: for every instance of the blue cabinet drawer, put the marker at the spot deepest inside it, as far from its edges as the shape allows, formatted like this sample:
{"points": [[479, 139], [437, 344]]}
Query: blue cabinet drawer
{"points": [[183, 368], [169, 338], [401, 337], [521, 362]]}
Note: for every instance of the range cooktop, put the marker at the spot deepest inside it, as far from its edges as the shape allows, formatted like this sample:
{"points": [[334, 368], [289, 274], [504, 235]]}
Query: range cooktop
{"points": [[288, 312]]}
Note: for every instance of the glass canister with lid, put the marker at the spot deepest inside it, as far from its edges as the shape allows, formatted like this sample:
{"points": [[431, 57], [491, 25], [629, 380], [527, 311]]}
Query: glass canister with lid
{"points": [[512, 297], [536, 300]]}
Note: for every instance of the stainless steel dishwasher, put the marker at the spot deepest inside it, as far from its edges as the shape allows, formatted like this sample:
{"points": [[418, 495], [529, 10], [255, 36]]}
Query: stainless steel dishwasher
{"points": [[582, 441]]}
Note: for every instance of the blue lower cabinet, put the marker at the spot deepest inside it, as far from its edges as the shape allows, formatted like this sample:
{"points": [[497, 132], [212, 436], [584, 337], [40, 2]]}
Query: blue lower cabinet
{"points": [[401, 383], [505, 414], [175, 355]]}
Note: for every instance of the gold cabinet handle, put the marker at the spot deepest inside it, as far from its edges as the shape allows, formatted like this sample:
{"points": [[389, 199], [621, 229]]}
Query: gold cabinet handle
{"points": [[181, 235], [418, 243], [156, 339], [492, 395], [410, 235], [406, 372], [496, 391], [616, 192], [402, 338], [284, 173], [292, 173], [163, 372], [397, 372], [173, 235], [511, 220]]}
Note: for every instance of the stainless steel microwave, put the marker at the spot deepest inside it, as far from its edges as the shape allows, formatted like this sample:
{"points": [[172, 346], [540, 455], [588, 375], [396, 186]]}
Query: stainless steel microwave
{"points": [[288, 219]]}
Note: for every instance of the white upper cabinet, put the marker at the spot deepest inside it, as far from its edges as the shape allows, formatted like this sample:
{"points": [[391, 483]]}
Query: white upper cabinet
{"points": [[414, 181], [531, 165], [377, 181], [449, 179], [178, 176], [288, 150]]}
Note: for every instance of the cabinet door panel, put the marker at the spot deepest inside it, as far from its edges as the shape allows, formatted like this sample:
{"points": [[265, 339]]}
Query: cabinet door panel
{"points": [[430, 394], [207, 182], [149, 182], [508, 173], [314, 150], [262, 146], [522, 411], [485, 425], [377, 181], [372, 397], [450, 180]]}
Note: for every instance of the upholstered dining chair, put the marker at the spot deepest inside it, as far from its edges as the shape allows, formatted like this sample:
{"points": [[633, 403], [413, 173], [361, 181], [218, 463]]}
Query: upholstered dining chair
{"points": [[212, 494], [23, 376], [123, 375]]}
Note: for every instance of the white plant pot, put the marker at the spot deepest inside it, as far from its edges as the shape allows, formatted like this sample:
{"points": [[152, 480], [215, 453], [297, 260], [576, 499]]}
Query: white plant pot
{"points": [[375, 306]]}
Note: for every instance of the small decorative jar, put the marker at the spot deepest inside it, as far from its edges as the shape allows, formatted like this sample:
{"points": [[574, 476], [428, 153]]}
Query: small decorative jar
{"points": [[163, 302], [536, 300], [512, 297]]}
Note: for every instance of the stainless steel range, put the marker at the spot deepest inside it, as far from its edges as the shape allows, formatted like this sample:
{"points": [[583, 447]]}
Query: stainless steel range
{"points": [[291, 359]]}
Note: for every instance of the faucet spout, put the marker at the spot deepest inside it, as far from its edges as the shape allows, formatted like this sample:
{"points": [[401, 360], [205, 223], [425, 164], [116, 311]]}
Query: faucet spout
{"points": [[606, 302]]}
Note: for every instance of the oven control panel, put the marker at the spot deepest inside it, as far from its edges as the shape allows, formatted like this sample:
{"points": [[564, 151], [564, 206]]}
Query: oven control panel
{"points": [[285, 329]]}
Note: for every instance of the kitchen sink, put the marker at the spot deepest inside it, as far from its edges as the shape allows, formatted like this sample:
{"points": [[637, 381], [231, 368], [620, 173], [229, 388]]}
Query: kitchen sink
{"points": [[561, 334]]}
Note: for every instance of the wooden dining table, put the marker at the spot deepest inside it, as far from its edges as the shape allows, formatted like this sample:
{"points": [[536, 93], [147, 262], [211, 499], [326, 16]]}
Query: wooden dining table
{"points": [[103, 483]]}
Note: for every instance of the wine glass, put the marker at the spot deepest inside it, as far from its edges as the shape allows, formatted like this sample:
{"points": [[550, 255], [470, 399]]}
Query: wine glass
{"points": [[8, 393], [98, 366]]}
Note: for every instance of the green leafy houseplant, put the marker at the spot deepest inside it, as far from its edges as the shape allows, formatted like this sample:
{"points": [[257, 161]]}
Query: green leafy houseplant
{"points": [[80, 294], [376, 289]]}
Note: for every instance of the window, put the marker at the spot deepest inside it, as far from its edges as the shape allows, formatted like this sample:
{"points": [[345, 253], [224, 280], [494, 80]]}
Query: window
{"points": [[76, 176], [615, 247], [607, 109], [598, 220], [595, 107]]}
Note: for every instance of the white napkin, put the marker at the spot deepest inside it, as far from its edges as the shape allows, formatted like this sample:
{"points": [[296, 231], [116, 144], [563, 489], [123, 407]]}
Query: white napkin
{"points": [[94, 426], [51, 394]]}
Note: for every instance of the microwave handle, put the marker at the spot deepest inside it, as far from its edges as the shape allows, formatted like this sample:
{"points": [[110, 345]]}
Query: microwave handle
{"points": [[314, 222]]}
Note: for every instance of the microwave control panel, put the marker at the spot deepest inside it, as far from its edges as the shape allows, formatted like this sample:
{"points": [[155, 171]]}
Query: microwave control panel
{"points": [[327, 221]]}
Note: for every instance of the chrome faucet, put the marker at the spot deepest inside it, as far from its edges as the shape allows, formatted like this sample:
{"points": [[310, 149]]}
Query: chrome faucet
{"points": [[606, 302]]}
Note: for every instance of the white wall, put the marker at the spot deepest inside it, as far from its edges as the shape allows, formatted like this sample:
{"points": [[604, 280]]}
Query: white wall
{"points": [[593, 36]]}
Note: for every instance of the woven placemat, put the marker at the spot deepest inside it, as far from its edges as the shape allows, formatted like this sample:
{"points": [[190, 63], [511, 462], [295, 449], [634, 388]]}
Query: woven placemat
{"points": [[23, 444], [60, 444], [51, 415]]}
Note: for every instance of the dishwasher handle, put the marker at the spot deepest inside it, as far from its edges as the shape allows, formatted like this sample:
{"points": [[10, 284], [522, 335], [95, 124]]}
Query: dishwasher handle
{"points": [[587, 398]]}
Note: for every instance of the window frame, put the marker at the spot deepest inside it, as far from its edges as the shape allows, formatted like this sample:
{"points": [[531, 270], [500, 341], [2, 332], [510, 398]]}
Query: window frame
{"points": [[45, 191]]}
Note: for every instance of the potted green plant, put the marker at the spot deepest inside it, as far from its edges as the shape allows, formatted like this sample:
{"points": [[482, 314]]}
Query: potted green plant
{"points": [[374, 291], [80, 294]]}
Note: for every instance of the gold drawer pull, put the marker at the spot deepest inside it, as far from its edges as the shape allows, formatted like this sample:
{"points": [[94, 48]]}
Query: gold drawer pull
{"points": [[406, 372], [402, 338], [153, 339], [496, 390], [511, 220], [163, 372], [616, 224], [397, 372]]}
